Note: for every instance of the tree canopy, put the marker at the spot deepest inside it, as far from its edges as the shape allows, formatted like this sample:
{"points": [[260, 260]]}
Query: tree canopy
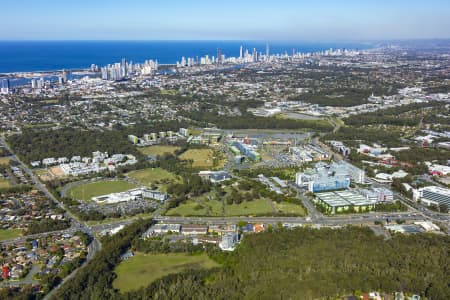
{"points": [[303, 263]]}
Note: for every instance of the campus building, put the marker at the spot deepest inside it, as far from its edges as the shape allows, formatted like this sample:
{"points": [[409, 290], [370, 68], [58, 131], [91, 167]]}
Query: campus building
{"points": [[162, 229], [193, 229], [184, 132], [215, 176], [343, 201], [340, 147], [320, 180], [205, 139], [309, 153], [154, 138], [356, 174], [329, 177], [133, 139], [433, 195], [246, 150], [378, 194], [130, 195]]}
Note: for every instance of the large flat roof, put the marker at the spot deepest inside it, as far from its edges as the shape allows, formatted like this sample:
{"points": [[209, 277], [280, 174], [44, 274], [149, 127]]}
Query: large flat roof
{"points": [[354, 198], [332, 199], [437, 189], [343, 198]]}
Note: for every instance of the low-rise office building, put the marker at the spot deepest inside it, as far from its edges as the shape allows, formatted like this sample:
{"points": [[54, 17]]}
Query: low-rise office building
{"points": [[161, 228], [247, 150], [377, 194], [193, 229], [215, 176], [133, 194], [343, 201], [433, 195]]}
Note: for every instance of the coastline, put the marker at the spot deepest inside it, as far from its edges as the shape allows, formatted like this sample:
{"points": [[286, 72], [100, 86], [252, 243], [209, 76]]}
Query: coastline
{"points": [[33, 74], [27, 57]]}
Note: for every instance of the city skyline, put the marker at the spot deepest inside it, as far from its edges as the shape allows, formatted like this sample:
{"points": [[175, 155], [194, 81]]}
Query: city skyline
{"points": [[263, 20]]}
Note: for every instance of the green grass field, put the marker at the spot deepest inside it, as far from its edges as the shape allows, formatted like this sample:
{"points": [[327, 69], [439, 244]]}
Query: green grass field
{"points": [[192, 208], [87, 191], [7, 234], [4, 183], [143, 269], [153, 176], [4, 160], [249, 208], [290, 208], [202, 158], [42, 173], [213, 208], [158, 150]]}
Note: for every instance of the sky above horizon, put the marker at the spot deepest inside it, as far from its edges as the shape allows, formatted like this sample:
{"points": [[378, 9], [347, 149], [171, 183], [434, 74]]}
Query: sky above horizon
{"points": [[224, 20]]}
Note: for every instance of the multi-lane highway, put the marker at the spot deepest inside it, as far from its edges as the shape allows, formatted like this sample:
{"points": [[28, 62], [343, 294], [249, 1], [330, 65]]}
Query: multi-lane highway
{"points": [[328, 221], [314, 218]]}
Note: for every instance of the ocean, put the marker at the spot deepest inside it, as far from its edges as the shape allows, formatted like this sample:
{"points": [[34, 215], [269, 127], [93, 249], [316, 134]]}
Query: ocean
{"points": [[27, 56]]}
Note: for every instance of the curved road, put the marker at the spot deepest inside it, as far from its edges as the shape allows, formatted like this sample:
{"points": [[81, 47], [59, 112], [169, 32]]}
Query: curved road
{"points": [[76, 225], [314, 218]]}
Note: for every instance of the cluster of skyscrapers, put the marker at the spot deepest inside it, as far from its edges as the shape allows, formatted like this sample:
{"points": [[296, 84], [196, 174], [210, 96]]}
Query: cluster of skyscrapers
{"points": [[120, 71], [117, 71], [37, 83], [245, 56], [124, 69]]}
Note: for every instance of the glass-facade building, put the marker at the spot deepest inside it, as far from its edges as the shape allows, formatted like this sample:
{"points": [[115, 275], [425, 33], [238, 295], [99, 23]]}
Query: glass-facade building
{"points": [[435, 195]]}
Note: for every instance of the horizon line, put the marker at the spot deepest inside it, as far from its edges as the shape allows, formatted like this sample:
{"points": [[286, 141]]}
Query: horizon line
{"points": [[231, 40]]}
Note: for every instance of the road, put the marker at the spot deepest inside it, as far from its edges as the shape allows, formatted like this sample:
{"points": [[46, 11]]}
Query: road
{"points": [[442, 218], [328, 221], [314, 218], [94, 246], [72, 218], [38, 184], [336, 156], [313, 213], [25, 281]]}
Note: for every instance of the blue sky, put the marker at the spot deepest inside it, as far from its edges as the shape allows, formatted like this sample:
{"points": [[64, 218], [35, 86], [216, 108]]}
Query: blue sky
{"points": [[222, 20]]}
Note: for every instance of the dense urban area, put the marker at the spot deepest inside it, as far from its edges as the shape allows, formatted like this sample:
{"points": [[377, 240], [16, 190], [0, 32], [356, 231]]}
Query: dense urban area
{"points": [[264, 176]]}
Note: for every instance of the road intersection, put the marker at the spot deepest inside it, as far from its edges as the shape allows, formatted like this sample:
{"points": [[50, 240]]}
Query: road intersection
{"points": [[314, 217]]}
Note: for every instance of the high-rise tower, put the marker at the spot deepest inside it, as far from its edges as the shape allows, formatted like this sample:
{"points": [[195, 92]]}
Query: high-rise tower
{"points": [[123, 68], [5, 86], [219, 56]]}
